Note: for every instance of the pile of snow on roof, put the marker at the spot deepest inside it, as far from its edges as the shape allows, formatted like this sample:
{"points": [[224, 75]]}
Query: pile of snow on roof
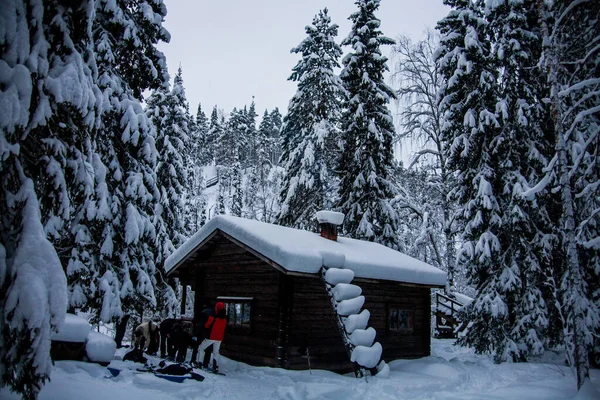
{"points": [[306, 252]]}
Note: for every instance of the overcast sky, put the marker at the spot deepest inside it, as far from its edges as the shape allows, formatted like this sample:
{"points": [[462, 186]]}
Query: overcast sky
{"points": [[231, 50]]}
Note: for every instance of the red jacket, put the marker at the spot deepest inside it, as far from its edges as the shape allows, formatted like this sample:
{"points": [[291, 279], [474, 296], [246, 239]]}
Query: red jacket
{"points": [[218, 330]]}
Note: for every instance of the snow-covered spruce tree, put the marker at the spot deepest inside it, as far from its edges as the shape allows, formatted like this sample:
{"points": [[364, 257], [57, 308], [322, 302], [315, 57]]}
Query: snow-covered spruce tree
{"points": [[468, 101], [229, 139], [495, 144], [571, 33], [121, 273], [311, 127], [247, 134], [261, 181], [366, 163], [200, 146], [212, 136], [419, 81], [49, 105], [522, 149], [196, 155], [257, 174], [168, 111], [275, 136]]}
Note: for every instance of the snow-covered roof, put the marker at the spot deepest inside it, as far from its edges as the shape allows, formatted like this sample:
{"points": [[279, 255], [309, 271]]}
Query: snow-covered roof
{"points": [[306, 252]]}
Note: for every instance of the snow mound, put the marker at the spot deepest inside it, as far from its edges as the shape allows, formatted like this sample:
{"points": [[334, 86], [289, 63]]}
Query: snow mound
{"points": [[383, 370], [357, 321], [333, 259], [367, 357], [350, 306], [74, 329], [363, 337], [333, 276], [100, 347], [330, 217], [345, 291]]}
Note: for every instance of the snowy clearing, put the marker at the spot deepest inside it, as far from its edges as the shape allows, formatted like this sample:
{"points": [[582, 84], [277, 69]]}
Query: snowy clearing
{"points": [[450, 373]]}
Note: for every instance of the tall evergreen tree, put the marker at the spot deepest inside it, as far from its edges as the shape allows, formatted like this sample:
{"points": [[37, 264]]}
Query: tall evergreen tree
{"points": [[74, 91], [366, 163], [571, 33], [169, 113], [200, 145], [276, 123], [230, 140], [495, 141], [39, 52], [212, 136], [121, 272], [471, 126], [311, 126], [522, 149], [247, 134]]}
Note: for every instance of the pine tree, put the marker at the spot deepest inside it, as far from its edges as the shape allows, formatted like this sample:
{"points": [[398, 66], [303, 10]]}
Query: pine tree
{"points": [[122, 270], [571, 33], [247, 136], [471, 126], [212, 136], [366, 163], [310, 127], [33, 136], [275, 136], [230, 139], [168, 111], [495, 141], [201, 147], [66, 129]]}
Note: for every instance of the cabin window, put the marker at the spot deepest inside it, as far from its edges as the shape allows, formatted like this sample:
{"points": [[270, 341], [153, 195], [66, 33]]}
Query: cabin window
{"points": [[239, 311], [400, 320]]}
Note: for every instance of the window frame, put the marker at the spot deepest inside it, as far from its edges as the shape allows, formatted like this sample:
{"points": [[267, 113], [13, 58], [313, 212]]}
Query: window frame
{"points": [[410, 319], [231, 301]]}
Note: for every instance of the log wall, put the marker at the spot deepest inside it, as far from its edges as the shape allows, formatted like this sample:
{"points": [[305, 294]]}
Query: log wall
{"points": [[292, 316], [314, 328], [379, 296], [229, 270]]}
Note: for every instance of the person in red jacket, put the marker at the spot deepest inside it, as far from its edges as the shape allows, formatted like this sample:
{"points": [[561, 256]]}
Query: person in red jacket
{"points": [[215, 326]]}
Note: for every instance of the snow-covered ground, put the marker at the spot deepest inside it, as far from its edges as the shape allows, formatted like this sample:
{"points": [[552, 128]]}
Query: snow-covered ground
{"points": [[450, 373]]}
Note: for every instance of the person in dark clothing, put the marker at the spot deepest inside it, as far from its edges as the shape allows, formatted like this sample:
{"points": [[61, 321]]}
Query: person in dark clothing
{"points": [[154, 342], [200, 332], [166, 343], [181, 336]]}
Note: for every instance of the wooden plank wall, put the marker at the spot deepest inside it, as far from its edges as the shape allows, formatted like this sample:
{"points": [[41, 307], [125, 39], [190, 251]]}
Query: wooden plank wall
{"points": [[378, 297], [231, 271], [313, 325]]}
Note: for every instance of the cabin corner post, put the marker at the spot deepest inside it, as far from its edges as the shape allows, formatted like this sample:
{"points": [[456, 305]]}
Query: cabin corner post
{"points": [[183, 298], [199, 293], [285, 296], [427, 338]]}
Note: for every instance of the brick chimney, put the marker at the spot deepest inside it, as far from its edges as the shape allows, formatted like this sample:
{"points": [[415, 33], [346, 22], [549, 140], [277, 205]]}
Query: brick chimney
{"points": [[328, 223]]}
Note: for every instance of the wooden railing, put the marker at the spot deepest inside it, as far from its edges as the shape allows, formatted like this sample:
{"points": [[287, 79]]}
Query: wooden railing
{"points": [[212, 181], [446, 318]]}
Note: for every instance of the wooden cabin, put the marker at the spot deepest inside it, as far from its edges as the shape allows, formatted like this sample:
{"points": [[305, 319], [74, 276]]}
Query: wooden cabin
{"points": [[281, 315]]}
